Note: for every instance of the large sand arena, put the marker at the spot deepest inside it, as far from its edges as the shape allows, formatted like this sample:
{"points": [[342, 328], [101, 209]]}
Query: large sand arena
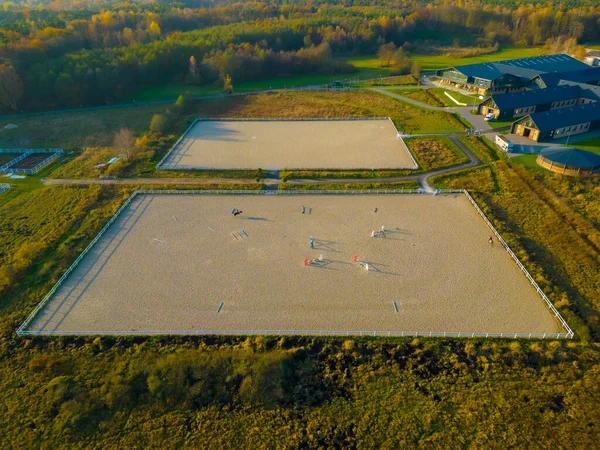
{"points": [[169, 261], [314, 144]]}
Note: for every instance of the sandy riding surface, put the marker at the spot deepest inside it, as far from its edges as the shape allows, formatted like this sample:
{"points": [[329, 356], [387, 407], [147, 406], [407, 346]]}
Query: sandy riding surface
{"points": [[169, 262], [314, 144]]}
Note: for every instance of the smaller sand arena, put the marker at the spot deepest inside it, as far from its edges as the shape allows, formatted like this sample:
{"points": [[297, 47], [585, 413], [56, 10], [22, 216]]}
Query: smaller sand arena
{"points": [[186, 264], [279, 144]]}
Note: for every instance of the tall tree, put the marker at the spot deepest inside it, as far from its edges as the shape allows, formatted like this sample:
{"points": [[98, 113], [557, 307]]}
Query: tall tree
{"points": [[123, 141], [193, 66], [386, 54], [227, 86]]}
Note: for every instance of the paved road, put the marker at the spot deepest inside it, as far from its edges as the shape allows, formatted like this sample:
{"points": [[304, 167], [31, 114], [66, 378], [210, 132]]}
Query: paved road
{"points": [[464, 111]]}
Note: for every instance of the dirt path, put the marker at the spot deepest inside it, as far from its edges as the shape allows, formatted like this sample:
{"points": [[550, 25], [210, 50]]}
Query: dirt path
{"points": [[59, 181]]}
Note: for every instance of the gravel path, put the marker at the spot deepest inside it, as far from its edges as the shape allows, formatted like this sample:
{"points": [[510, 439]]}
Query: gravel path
{"points": [[170, 261]]}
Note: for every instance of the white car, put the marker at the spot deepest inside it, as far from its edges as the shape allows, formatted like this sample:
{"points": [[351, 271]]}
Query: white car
{"points": [[489, 116]]}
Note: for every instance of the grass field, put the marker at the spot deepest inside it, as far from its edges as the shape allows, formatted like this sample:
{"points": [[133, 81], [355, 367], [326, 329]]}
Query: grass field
{"points": [[426, 96], [435, 96], [434, 62], [434, 262], [80, 129], [591, 145], [310, 144], [409, 184], [97, 128], [462, 98], [501, 123], [435, 152], [485, 150], [6, 157], [173, 90], [529, 162]]}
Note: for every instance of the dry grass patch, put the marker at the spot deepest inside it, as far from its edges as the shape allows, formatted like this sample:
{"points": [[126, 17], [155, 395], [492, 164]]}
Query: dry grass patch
{"points": [[435, 152], [285, 105]]}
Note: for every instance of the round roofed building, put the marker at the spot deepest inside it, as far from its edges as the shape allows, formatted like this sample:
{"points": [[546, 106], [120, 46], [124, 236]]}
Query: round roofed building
{"points": [[570, 161]]}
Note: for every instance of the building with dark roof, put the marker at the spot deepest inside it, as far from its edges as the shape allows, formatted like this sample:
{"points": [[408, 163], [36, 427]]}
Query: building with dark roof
{"points": [[559, 123], [518, 104], [551, 79], [507, 76], [569, 161]]}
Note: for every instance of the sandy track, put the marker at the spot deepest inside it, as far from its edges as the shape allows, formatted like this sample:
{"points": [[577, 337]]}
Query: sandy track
{"points": [[169, 262], [340, 144]]}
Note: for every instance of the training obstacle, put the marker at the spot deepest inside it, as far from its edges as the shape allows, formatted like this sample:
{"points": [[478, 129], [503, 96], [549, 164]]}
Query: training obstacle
{"points": [[239, 235], [310, 262], [360, 263]]}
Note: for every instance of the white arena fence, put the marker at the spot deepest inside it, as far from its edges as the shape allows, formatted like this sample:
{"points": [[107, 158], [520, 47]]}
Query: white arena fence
{"points": [[433, 334], [24, 153], [162, 166], [4, 187], [567, 332], [557, 315]]}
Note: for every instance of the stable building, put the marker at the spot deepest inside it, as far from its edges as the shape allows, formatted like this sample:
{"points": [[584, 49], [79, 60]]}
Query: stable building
{"points": [[551, 79], [507, 76], [518, 104], [569, 161], [559, 123]]}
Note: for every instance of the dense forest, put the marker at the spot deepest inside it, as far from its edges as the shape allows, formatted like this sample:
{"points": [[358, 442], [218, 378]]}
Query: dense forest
{"points": [[63, 54]]}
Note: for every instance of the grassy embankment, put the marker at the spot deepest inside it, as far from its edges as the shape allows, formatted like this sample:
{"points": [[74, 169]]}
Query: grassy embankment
{"points": [[408, 184]]}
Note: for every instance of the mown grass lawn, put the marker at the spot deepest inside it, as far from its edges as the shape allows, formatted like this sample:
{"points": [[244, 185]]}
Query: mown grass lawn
{"points": [[436, 96], [434, 62], [529, 162], [458, 96], [501, 123], [170, 91], [591, 145]]}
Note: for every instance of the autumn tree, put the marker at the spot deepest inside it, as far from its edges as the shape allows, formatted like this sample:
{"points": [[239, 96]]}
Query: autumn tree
{"points": [[415, 70], [227, 86], [193, 75], [11, 88], [159, 123], [123, 141], [386, 54], [154, 29]]}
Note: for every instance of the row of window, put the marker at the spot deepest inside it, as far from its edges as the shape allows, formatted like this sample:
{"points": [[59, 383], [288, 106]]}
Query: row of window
{"points": [[564, 103], [572, 129], [523, 111]]}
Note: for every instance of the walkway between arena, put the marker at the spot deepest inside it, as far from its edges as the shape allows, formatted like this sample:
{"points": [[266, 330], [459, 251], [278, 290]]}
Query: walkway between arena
{"points": [[272, 180]]}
